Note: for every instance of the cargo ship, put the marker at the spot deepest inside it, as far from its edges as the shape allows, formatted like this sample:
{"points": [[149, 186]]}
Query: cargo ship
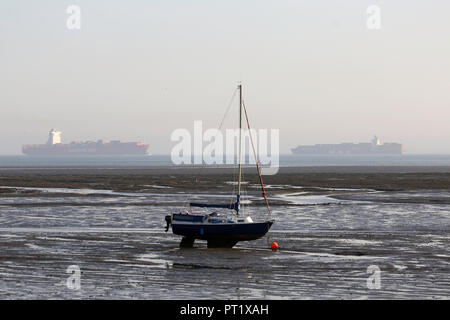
{"points": [[54, 146], [363, 148]]}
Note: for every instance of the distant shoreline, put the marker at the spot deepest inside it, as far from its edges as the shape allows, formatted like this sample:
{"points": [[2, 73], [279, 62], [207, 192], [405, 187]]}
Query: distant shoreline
{"points": [[216, 170], [286, 162]]}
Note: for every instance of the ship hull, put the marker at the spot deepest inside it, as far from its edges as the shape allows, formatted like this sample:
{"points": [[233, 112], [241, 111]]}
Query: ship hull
{"points": [[68, 150], [351, 149]]}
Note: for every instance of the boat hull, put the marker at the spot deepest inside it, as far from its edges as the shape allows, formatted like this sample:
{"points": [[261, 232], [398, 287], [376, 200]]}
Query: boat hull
{"points": [[222, 231]]}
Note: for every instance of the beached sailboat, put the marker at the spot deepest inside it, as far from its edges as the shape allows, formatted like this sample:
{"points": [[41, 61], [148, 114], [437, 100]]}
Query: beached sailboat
{"points": [[218, 229]]}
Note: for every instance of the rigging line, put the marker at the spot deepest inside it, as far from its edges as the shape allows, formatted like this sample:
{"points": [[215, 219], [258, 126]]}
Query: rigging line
{"points": [[256, 160], [188, 197], [220, 127], [228, 108]]}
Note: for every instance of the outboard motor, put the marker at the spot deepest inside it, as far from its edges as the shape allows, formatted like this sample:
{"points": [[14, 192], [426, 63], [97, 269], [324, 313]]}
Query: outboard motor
{"points": [[168, 221]]}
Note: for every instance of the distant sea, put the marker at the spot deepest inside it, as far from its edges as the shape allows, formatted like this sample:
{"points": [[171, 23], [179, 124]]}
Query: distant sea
{"points": [[165, 160]]}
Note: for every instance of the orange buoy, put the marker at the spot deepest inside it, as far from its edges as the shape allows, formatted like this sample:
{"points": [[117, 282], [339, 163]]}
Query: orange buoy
{"points": [[274, 246]]}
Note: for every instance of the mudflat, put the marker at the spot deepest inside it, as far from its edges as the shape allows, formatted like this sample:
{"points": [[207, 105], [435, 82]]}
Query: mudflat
{"points": [[334, 227], [200, 179]]}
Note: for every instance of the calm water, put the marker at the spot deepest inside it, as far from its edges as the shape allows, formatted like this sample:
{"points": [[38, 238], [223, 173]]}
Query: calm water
{"points": [[285, 160]]}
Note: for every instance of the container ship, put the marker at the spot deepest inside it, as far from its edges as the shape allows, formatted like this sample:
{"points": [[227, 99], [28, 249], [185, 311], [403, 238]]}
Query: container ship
{"points": [[54, 146], [363, 148]]}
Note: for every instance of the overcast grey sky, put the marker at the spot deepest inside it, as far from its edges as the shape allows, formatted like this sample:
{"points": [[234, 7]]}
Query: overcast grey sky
{"points": [[137, 70]]}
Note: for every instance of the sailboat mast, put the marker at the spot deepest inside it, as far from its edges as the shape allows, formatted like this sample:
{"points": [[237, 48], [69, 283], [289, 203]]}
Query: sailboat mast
{"points": [[240, 145]]}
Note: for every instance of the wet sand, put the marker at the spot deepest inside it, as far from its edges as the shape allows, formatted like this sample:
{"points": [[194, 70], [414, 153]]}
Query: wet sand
{"points": [[198, 179], [331, 226]]}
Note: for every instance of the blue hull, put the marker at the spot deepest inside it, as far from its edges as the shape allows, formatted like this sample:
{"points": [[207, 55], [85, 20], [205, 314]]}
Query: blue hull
{"points": [[225, 231]]}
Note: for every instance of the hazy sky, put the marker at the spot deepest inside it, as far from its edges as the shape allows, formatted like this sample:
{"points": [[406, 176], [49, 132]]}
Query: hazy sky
{"points": [[137, 70]]}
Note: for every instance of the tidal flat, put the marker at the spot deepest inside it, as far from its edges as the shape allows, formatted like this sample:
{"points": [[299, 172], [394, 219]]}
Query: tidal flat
{"points": [[332, 226]]}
